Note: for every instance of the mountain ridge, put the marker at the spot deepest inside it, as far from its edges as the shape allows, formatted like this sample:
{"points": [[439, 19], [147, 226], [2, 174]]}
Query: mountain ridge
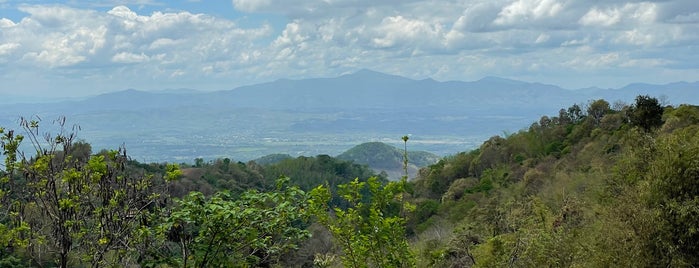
{"points": [[321, 115], [363, 74]]}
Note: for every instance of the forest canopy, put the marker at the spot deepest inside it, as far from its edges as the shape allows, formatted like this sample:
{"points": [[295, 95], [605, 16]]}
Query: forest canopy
{"points": [[596, 184]]}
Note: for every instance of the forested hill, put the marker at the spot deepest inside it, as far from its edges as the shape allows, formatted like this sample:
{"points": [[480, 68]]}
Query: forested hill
{"points": [[378, 156], [595, 187], [383, 157]]}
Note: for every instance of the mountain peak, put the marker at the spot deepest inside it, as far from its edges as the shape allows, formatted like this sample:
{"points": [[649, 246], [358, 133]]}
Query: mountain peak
{"points": [[367, 74], [500, 80]]}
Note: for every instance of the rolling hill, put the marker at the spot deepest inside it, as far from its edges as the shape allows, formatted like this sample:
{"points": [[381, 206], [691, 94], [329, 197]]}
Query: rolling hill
{"points": [[383, 157]]}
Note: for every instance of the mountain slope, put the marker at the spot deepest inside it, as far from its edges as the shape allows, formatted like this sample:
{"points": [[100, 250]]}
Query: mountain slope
{"points": [[574, 192], [383, 157]]}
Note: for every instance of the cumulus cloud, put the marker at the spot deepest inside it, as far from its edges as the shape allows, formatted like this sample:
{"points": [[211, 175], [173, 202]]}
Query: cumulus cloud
{"points": [[252, 5], [522, 11], [126, 57], [631, 13], [7, 48], [418, 38], [601, 17], [157, 44], [397, 30], [6, 23]]}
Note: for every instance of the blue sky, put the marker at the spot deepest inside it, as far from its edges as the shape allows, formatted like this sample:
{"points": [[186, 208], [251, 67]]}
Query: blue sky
{"points": [[79, 48]]}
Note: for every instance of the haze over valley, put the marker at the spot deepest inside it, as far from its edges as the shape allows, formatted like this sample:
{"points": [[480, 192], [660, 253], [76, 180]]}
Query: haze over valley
{"points": [[321, 115]]}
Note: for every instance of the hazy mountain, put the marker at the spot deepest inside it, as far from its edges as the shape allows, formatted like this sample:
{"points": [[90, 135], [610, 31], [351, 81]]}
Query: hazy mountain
{"points": [[321, 115], [383, 157], [272, 159], [372, 90]]}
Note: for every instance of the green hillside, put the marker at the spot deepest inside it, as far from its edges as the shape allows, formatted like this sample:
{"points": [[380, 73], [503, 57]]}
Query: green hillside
{"points": [[383, 157], [592, 187], [271, 159]]}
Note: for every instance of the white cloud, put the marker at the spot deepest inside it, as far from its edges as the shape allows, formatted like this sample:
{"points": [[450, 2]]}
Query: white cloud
{"points": [[400, 31], [597, 61], [576, 42], [65, 49], [8, 48], [59, 36], [6, 23], [477, 17], [251, 5], [642, 13], [445, 39], [636, 37], [126, 57], [597, 17], [290, 36], [163, 43], [542, 38], [522, 11], [126, 13]]}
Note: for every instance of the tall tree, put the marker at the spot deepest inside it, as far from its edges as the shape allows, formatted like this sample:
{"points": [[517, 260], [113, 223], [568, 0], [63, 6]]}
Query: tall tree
{"points": [[646, 113], [89, 206], [597, 109]]}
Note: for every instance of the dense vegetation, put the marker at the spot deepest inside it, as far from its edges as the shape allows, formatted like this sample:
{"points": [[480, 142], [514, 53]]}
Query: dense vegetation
{"points": [[597, 185], [594, 187]]}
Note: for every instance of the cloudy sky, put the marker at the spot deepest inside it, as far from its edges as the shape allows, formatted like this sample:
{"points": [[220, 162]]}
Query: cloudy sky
{"points": [[78, 48]]}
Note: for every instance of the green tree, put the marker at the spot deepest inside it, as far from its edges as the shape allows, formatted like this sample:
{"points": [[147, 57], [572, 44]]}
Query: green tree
{"points": [[309, 172], [254, 229], [13, 228], [86, 208], [575, 114], [646, 113], [597, 109], [371, 231]]}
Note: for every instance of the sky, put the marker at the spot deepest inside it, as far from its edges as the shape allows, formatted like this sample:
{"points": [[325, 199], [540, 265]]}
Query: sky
{"points": [[81, 48]]}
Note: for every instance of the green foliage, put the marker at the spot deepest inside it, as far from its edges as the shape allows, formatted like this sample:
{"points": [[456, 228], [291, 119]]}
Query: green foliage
{"points": [[597, 109], [646, 113], [254, 229], [219, 175], [272, 159], [76, 206], [11, 227], [371, 230], [309, 172], [435, 180], [680, 117], [597, 187], [579, 189], [674, 194]]}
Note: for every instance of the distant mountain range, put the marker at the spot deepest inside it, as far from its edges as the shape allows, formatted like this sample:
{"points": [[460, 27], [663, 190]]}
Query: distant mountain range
{"points": [[322, 115]]}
